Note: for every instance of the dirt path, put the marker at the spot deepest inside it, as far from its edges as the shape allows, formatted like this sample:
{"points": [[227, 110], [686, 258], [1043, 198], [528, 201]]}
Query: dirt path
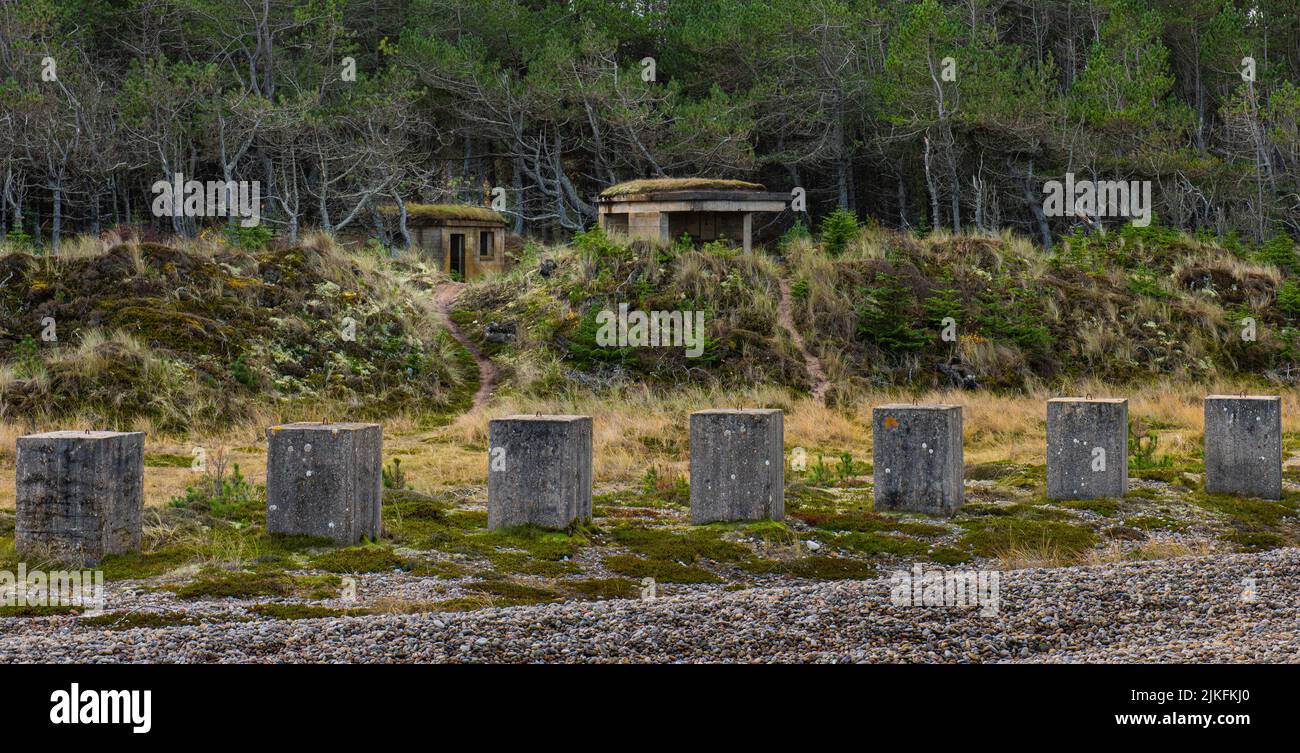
{"points": [[785, 315], [444, 297]]}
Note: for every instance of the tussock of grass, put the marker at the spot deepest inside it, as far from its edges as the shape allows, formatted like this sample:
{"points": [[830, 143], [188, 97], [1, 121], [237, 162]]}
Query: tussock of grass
{"points": [[1116, 551]]}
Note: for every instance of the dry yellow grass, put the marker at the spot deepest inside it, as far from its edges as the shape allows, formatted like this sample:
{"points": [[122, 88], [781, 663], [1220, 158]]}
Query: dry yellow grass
{"points": [[1115, 551], [643, 426], [1039, 554]]}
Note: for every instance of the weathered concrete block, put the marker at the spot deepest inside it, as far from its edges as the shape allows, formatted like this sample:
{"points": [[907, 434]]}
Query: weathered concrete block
{"points": [[1243, 445], [1087, 448], [539, 471], [917, 458], [325, 480], [80, 494], [737, 465]]}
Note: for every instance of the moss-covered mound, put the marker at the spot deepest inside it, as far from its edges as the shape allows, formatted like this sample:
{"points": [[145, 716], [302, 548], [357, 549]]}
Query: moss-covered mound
{"points": [[558, 323], [893, 309], [1135, 304], [188, 339]]}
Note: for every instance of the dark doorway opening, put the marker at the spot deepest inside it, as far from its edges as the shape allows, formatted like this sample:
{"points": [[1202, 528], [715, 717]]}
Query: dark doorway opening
{"points": [[458, 255]]}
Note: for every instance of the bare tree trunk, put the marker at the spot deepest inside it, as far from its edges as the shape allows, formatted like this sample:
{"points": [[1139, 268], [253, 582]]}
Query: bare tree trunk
{"points": [[56, 222], [841, 169], [517, 183], [1036, 206], [902, 202], [953, 178], [401, 220], [934, 193]]}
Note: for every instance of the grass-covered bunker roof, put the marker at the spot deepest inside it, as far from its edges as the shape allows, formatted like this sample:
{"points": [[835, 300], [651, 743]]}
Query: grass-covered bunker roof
{"points": [[445, 214], [661, 185]]}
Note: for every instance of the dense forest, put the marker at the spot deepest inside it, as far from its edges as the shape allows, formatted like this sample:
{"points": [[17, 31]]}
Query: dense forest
{"points": [[917, 114]]}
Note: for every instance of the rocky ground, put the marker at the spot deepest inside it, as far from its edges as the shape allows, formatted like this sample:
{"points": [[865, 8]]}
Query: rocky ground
{"points": [[1224, 608]]}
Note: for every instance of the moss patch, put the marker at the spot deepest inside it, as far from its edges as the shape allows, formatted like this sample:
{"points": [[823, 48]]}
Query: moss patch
{"points": [[251, 585], [663, 571], [166, 460], [145, 564], [132, 620], [360, 559], [814, 568], [604, 588], [947, 555], [510, 593], [992, 537], [291, 611], [867, 522], [1256, 541], [1155, 523], [875, 543], [664, 544], [1104, 507], [38, 611]]}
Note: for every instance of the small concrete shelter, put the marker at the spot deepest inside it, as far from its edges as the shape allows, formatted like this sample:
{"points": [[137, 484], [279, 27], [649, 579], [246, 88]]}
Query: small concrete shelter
{"points": [[462, 240], [706, 209]]}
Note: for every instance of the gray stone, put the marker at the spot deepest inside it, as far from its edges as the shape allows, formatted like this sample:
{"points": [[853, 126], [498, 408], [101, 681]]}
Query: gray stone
{"points": [[1243, 445], [1087, 448], [917, 458], [325, 480], [80, 494], [539, 471], [737, 465]]}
